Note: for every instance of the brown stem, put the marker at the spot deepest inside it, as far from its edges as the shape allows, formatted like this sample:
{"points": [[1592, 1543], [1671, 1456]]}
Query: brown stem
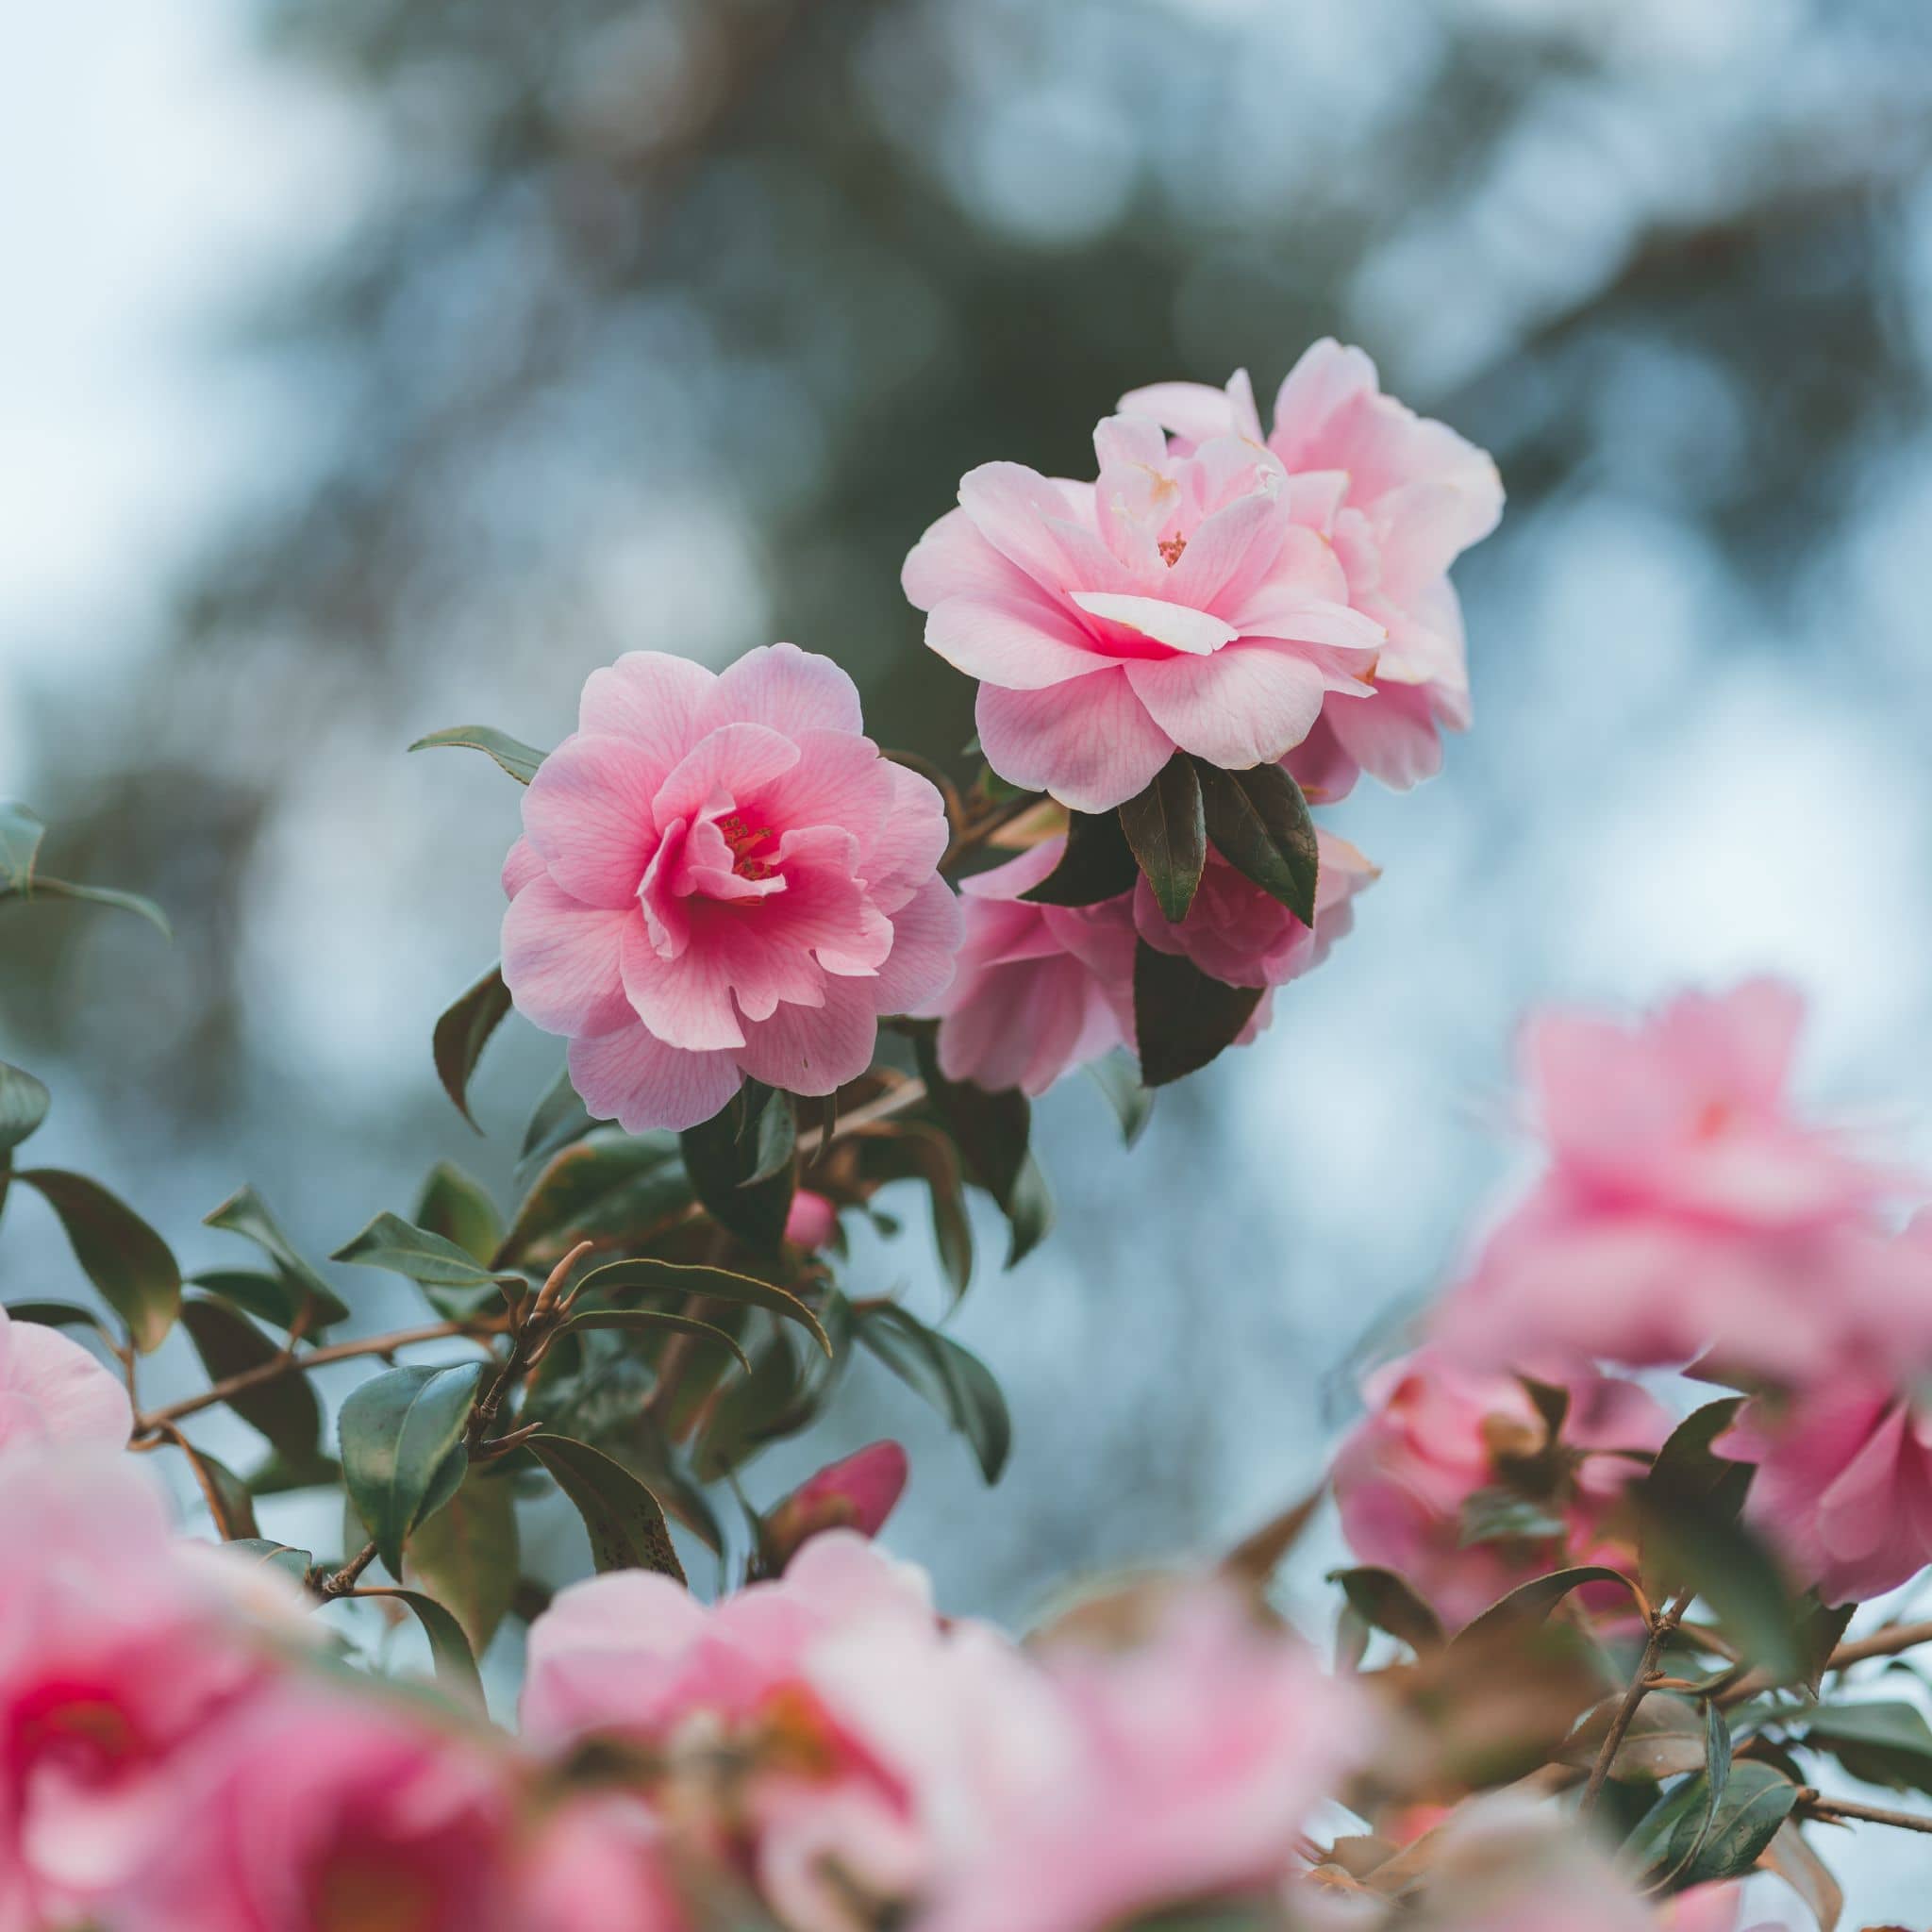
{"points": [[344, 1580], [978, 833], [1887, 1643], [906, 1094], [526, 1345], [1842, 1811], [1641, 1684]]}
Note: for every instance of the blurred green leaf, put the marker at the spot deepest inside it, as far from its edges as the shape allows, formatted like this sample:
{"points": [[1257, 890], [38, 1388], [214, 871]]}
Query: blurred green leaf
{"points": [[449, 1649], [639, 1319], [54, 1314], [247, 1214], [402, 1448], [24, 1104], [1097, 864], [1117, 1077], [1183, 1018], [466, 1558], [1881, 1743], [955, 1382], [1259, 823], [559, 1120], [1389, 1602], [392, 1244], [624, 1186], [750, 1413], [1506, 1515], [993, 1131], [461, 1034], [519, 760], [1531, 1603], [624, 1520], [903, 1150], [127, 1260], [271, 1298], [285, 1409], [685, 1281], [729, 1159], [1167, 829], [460, 1210], [283, 1556], [227, 1495]]}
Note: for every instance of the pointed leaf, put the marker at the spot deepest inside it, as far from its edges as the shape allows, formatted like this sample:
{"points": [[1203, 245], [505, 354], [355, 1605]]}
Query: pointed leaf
{"points": [[1259, 823], [1693, 1841], [624, 1186], [1387, 1602], [462, 1033], [639, 1320], [283, 1556], [1182, 1019], [271, 1298], [247, 1214], [520, 761], [1118, 1079], [1168, 831], [460, 1210], [1097, 864], [1531, 1603], [625, 1525], [647, 1276], [724, 1157], [466, 1558], [127, 1260], [391, 1242], [902, 1150], [449, 1649], [24, 1104], [956, 1382], [285, 1410], [401, 1433]]}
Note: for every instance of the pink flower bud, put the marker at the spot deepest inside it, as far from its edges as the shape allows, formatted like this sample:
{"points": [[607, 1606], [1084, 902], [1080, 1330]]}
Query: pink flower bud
{"points": [[812, 1219], [856, 1492]]}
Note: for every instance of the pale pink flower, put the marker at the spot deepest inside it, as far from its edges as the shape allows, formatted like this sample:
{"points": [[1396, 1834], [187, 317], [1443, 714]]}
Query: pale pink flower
{"points": [[1438, 1434], [1687, 1206], [53, 1391], [1399, 498], [323, 1809], [597, 1865], [720, 876], [1040, 988], [1176, 602], [811, 1221], [1501, 1865], [856, 1492], [118, 1645]]}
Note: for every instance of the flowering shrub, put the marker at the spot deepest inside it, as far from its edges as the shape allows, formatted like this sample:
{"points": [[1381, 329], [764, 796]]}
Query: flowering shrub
{"points": [[1591, 1653]]}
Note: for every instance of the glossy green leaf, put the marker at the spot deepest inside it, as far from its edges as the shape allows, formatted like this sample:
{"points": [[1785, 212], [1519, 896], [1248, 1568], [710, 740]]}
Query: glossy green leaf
{"points": [[271, 1298], [1389, 1602], [954, 1381], [247, 1214], [1258, 822], [559, 1121], [725, 1155], [624, 1520], [640, 1321], [1098, 863], [685, 1282], [392, 1244], [285, 1409], [449, 1650], [1183, 1018], [1691, 1839], [24, 1104], [127, 1260], [1531, 1603], [401, 1442], [1167, 830], [1887, 1744], [1117, 1077], [520, 761], [461, 1034], [460, 1210], [292, 1562], [466, 1556], [621, 1186]]}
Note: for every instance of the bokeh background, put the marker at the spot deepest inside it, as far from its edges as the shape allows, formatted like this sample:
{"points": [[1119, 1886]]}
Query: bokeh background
{"points": [[377, 365]]}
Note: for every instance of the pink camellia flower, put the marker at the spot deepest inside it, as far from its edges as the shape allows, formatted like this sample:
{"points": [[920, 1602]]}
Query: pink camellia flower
{"points": [[1443, 1447], [1399, 498], [119, 1647], [323, 1808], [811, 1221], [597, 1865], [53, 1391], [858, 1492], [1687, 1208], [1176, 602], [720, 876]]}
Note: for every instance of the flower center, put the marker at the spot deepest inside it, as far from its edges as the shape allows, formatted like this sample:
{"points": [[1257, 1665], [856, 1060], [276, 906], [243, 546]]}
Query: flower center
{"points": [[1171, 550], [744, 839]]}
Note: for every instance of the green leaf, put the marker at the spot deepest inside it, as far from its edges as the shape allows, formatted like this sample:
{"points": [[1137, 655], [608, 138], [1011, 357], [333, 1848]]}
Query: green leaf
{"points": [[1029, 1213], [1883, 1744], [21, 832], [449, 1649], [1259, 823], [54, 1314], [723, 1157], [686, 1281], [618, 1185], [247, 1214], [1701, 1839], [1505, 1515], [624, 1520], [227, 1495], [402, 1436], [46, 888], [1552, 1401], [1387, 1602], [519, 760], [992, 1131], [460, 1210], [1097, 864], [127, 1260], [271, 1298], [751, 1412], [954, 1381], [772, 1139], [1117, 1077], [1166, 828], [285, 1409], [391, 1242], [461, 1034], [283, 1556], [1820, 1632], [903, 1150], [24, 1104], [639, 1319], [1531, 1603], [466, 1558], [1182, 1019], [560, 1120]]}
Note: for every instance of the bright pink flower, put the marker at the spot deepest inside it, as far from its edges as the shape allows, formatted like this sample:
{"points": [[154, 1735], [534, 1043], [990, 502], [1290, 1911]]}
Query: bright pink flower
{"points": [[858, 1492], [1177, 601], [119, 1647], [53, 1391], [1237, 933], [598, 1866], [720, 876], [1040, 988], [1399, 498], [326, 1810], [811, 1221], [1437, 1434], [1686, 1207]]}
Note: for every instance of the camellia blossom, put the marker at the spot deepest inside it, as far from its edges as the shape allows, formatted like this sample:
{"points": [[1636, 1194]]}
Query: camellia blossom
{"points": [[1399, 498], [53, 1391], [1687, 1208], [720, 876], [598, 1865], [1441, 1442], [1174, 601]]}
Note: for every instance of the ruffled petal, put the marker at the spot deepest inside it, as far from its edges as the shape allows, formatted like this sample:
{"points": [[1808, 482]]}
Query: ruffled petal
{"points": [[1089, 741], [634, 1078], [561, 961]]}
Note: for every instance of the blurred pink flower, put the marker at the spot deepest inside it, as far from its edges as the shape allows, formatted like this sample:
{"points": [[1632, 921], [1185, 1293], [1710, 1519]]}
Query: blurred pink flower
{"points": [[1176, 602], [1438, 1434], [323, 1809], [720, 876], [1399, 498], [1040, 988], [118, 1645], [1686, 1207], [811, 1221], [858, 1492], [53, 1391], [597, 1866]]}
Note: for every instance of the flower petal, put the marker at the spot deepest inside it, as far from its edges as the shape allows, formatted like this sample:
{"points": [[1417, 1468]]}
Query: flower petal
{"points": [[787, 689], [588, 814], [562, 959], [814, 1049], [1177, 625], [634, 1078], [927, 934], [651, 698], [1248, 705], [1020, 643], [686, 1001], [1089, 741]]}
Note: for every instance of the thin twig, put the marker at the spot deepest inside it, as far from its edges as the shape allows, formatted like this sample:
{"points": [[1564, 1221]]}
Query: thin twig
{"points": [[1842, 1811], [1890, 1641], [1646, 1676], [346, 1579]]}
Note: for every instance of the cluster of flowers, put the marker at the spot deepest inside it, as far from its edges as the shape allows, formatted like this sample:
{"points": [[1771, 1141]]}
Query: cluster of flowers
{"points": [[720, 876], [1690, 1217]]}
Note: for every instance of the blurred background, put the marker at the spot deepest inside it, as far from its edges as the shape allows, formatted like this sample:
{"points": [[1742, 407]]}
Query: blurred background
{"points": [[373, 366]]}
